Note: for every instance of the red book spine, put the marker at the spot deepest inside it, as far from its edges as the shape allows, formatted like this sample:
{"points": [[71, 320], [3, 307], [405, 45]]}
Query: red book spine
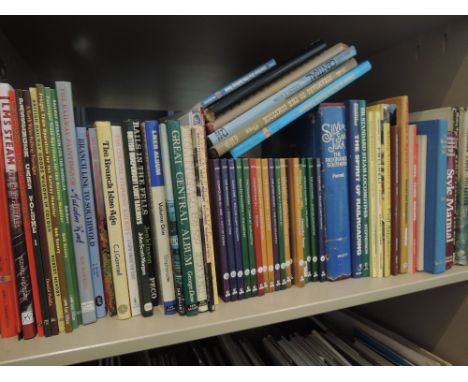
{"points": [[256, 225], [20, 141], [25, 271], [450, 222], [9, 313], [395, 197], [415, 201]]}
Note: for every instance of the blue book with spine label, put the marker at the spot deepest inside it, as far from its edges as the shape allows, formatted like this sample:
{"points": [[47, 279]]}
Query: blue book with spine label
{"points": [[236, 84], [355, 187], [276, 99], [300, 109], [236, 228], [228, 229], [436, 187], [90, 220], [331, 121]]}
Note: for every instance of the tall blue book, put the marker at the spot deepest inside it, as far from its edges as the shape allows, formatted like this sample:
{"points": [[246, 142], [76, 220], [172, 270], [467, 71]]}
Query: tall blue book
{"points": [[436, 187], [355, 187], [331, 121]]}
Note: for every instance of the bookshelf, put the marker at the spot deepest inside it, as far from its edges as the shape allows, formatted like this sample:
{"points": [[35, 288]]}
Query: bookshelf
{"points": [[110, 336], [151, 75]]}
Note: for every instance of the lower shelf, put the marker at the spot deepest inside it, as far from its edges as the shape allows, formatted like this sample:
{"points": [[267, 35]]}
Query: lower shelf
{"points": [[110, 337]]}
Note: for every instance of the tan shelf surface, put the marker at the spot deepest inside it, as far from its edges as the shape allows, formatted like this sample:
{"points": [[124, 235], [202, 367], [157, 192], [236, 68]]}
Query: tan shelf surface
{"points": [[109, 336]]}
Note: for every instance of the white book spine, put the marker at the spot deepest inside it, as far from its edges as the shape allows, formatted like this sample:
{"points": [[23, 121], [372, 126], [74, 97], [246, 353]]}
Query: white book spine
{"points": [[194, 218], [159, 221], [411, 190], [75, 199], [127, 231], [422, 154]]}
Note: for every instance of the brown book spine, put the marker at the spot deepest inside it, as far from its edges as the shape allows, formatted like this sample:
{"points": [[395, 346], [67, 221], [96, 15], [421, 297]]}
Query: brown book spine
{"points": [[450, 222], [395, 197]]}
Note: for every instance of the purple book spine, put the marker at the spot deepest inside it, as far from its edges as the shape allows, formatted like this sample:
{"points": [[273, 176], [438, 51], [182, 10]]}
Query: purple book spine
{"points": [[220, 232], [274, 222]]}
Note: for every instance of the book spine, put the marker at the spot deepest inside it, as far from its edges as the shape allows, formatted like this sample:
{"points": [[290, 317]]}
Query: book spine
{"points": [[457, 167], [306, 222], [204, 212], [64, 221], [395, 195], [414, 202], [300, 109], [236, 84], [114, 222], [256, 225], [136, 220], [462, 191], [30, 170], [183, 222], [280, 222], [282, 95], [320, 222], [13, 170], [262, 120], [298, 233], [243, 227], [192, 204], [44, 224], [274, 224], [365, 187], [311, 189], [450, 225], [220, 231], [57, 212], [387, 206], [236, 228], [263, 238], [404, 192], [159, 218], [422, 159], [229, 230], [355, 187], [20, 140], [141, 154], [335, 195], [75, 200], [9, 313], [53, 238], [90, 220], [127, 228], [104, 250], [248, 222], [268, 224], [286, 222], [172, 221]]}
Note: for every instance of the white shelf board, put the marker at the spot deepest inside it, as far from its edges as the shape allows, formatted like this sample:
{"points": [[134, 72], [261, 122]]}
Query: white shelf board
{"points": [[111, 336]]}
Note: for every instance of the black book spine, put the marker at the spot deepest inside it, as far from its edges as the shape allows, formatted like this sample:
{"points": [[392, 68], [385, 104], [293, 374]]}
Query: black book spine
{"points": [[320, 222], [270, 76]]}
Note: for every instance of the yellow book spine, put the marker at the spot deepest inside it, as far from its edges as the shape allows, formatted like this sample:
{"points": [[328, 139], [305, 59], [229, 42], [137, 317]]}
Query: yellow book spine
{"points": [[387, 198], [285, 205], [404, 192], [380, 192], [372, 189], [114, 225], [268, 228], [45, 194], [292, 219], [261, 211]]}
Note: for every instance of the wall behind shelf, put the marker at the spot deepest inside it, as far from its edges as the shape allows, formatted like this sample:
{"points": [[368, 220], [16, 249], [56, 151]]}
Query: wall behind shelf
{"points": [[18, 71]]}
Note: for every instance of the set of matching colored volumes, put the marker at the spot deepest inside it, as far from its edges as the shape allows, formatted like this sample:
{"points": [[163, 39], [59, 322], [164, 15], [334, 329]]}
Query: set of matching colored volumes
{"points": [[243, 114]]}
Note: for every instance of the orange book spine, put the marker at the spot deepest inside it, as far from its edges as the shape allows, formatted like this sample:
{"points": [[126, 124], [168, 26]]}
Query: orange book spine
{"points": [[268, 227], [285, 206], [261, 211], [299, 234]]}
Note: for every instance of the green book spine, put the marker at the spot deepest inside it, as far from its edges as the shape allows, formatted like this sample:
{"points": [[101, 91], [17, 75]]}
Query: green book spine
{"points": [[57, 211], [64, 219], [243, 227], [249, 226], [365, 186], [280, 222], [313, 226], [183, 224], [306, 219]]}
